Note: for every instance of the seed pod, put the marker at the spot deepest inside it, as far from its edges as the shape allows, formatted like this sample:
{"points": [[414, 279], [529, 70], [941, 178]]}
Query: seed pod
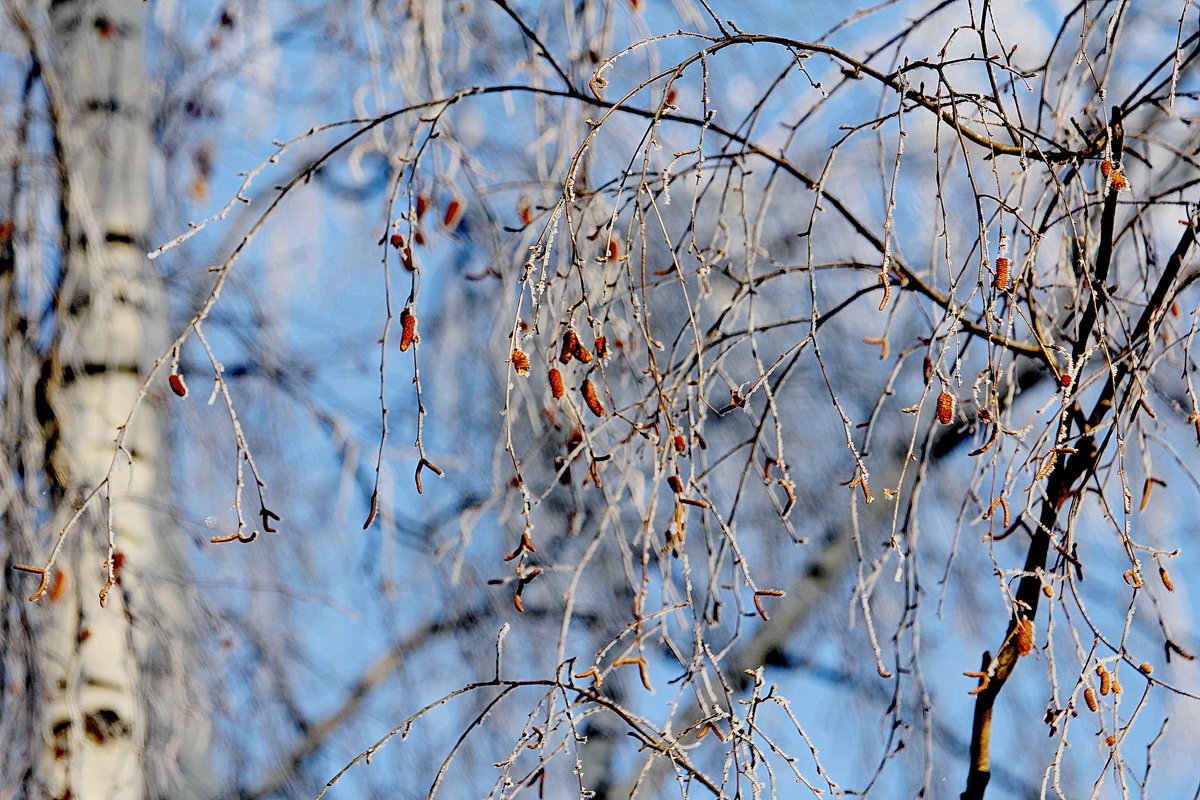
{"points": [[680, 444], [601, 347], [1089, 697], [1146, 668], [422, 205], [1025, 637], [556, 383], [1001, 273], [408, 329], [1165, 577], [1105, 679], [177, 385], [589, 397], [945, 408], [520, 362], [397, 241], [675, 484], [570, 342], [582, 353], [1110, 740]]}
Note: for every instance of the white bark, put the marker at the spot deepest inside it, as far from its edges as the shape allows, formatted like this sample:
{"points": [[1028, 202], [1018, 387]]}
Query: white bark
{"points": [[104, 669]]}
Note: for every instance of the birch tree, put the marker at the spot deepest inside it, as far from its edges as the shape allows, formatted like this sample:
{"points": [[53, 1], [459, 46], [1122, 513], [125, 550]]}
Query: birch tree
{"points": [[94, 659]]}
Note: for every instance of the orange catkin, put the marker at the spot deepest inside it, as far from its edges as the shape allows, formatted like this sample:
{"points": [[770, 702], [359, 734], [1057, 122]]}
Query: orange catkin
{"points": [[408, 329], [1165, 577], [1025, 637], [945, 408], [59, 584], [454, 211], [589, 397], [556, 383], [520, 362], [1002, 273]]}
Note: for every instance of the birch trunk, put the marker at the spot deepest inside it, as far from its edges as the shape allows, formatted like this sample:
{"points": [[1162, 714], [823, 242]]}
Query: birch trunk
{"points": [[105, 680]]}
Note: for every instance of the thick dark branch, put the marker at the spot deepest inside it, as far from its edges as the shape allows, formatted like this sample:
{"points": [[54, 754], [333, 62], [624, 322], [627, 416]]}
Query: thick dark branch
{"points": [[1059, 488], [1098, 291]]}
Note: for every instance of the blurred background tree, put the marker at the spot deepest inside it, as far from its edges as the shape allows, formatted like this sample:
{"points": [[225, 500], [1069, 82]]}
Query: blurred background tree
{"points": [[659, 399]]}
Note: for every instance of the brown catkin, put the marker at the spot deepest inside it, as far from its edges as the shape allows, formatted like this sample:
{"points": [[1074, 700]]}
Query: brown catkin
{"points": [[1089, 697], [589, 397], [556, 383], [1002, 273], [570, 342], [453, 211], [408, 329], [1025, 636], [1105, 679], [945, 408], [1165, 577], [520, 362]]}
